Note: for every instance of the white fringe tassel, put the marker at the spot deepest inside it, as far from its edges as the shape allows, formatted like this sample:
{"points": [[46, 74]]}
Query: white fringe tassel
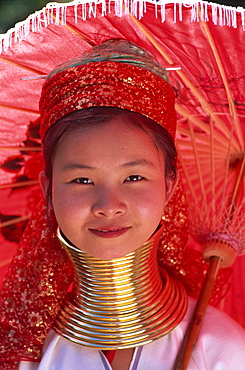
{"points": [[55, 13]]}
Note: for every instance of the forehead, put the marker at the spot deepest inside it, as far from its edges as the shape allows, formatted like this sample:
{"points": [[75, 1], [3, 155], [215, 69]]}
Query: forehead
{"points": [[113, 139]]}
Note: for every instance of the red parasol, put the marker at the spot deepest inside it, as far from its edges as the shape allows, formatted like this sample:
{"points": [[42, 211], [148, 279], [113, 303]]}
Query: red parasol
{"points": [[202, 43]]}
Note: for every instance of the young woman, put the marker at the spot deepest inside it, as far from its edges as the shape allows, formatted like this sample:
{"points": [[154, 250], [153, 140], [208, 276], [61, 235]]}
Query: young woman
{"points": [[107, 126]]}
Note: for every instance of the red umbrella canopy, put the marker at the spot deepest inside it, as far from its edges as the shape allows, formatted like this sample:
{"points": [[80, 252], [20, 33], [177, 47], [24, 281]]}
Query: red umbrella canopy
{"points": [[202, 46]]}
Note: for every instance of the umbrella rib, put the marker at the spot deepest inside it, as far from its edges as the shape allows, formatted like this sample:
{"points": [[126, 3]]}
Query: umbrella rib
{"points": [[29, 69], [235, 121], [19, 109], [207, 108], [19, 184], [186, 114], [232, 107], [22, 148], [238, 184], [197, 161], [223, 203], [6, 262], [190, 184], [212, 172], [14, 221], [220, 191], [70, 28], [41, 73], [79, 34], [202, 144], [73, 30], [203, 140]]}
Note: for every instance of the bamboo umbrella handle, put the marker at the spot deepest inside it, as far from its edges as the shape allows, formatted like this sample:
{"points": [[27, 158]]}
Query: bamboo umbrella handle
{"points": [[196, 320]]}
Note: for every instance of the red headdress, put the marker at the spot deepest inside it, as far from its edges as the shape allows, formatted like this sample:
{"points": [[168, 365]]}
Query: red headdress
{"points": [[115, 74]]}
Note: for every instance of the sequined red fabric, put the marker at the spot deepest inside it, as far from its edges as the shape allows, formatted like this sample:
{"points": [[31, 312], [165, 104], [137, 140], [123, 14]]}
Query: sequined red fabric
{"points": [[36, 283], [107, 84]]}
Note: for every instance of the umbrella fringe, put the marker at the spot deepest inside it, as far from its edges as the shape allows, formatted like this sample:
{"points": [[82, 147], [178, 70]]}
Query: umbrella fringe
{"points": [[55, 13]]}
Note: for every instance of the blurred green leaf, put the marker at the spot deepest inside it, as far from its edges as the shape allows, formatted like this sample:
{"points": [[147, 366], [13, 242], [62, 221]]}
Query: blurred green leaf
{"points": [[13, 11]]}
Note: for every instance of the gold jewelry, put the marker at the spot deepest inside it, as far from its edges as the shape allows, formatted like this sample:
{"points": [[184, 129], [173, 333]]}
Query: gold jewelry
{"points": [[120, 303]]}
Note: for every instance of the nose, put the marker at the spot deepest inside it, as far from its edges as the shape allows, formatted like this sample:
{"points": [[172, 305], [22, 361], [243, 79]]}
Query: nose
{"points": [[108, 204]]}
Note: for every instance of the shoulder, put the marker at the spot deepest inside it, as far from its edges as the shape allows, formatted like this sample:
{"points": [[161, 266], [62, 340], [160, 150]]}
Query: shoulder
{"points": [[217, 325], [221, 341], [220, 345]]}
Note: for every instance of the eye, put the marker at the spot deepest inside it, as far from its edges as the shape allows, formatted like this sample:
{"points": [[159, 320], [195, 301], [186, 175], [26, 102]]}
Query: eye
{"points": [[82, 180], [134, 178]]}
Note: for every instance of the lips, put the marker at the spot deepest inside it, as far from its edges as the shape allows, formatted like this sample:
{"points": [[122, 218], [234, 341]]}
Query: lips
{"points": [[110, 232]]}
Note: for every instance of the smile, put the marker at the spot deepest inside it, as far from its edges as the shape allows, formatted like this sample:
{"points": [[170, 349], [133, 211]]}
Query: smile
{"points": [[109, 232]]}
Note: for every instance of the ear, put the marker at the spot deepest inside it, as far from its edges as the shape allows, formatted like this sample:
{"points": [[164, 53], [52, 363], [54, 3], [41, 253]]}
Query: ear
{"points": [[44, 184], [171, 186]]}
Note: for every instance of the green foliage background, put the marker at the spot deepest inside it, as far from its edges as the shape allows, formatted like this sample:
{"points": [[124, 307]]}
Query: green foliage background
{"points": [[13, 11]]}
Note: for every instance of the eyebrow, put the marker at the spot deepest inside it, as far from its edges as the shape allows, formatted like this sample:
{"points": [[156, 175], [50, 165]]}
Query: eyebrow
{"points": [[137, 162], [76, 166]]}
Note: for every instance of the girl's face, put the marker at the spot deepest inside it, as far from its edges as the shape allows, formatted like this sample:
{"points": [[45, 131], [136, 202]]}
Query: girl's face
{"points": [[108, 189]]}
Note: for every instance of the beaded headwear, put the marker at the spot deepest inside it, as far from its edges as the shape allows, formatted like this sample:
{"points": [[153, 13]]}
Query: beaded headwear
{"points": [[116, 73]]}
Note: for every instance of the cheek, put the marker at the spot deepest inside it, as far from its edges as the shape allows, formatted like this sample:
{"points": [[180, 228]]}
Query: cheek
{"points": [[150, 203], [70, 205], [64, 204]]}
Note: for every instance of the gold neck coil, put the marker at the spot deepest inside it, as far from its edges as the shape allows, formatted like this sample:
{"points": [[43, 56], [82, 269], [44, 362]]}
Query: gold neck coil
{"points": [[120, 303]]}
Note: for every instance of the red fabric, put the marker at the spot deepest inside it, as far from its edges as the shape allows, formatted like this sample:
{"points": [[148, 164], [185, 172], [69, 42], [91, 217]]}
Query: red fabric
{"points": [[110, 355], [34, 287], [107, 84]]}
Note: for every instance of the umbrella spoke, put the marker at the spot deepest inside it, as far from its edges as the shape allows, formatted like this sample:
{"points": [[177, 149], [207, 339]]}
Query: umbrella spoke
{"points": [[22, 148], [222, 145], [212, 169], [227, 169], [204, 148], [205, 105], [197, 161], [203, 126], [185, 170], [239, 179], [19, 184], [14, 221], [73, 30], [29, 69], [5, 263], [19, 109], [232, 108], [79, 34]]}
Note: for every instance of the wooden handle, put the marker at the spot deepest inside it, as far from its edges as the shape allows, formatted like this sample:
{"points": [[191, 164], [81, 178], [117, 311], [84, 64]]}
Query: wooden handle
{"points": [[198, 314]]}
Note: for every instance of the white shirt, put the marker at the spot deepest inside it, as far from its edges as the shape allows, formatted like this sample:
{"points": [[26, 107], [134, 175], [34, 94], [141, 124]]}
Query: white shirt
{"points": [[220, 346]]}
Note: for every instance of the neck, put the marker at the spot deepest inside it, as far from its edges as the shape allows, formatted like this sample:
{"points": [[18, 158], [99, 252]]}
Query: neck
{"points": [[120, 303]]}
